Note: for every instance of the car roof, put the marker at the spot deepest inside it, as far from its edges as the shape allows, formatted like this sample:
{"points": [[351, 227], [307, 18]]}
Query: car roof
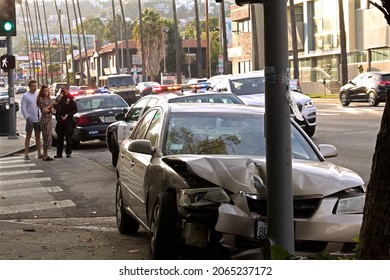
{"points": [[213, 107], [97, 96]]}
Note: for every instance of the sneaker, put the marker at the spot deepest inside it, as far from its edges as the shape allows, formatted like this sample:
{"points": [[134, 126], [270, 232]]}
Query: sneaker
{"points": [[26, 157], [68, 156], [58, 156]]}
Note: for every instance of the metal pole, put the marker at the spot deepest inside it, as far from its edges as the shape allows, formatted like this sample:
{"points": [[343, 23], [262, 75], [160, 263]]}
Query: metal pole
{"points": [[11, 95], [208, 71], [277, 124], [189, 59]]}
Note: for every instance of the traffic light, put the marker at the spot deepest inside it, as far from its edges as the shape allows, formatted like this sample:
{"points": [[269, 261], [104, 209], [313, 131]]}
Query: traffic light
{"points": [[7, 18], [7, 62]]}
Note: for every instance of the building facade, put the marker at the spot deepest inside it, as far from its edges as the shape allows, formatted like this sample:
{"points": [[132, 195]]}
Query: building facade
{"points": [[318, 40]]}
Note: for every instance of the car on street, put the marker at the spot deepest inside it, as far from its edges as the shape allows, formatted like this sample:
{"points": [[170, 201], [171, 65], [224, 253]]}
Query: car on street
{"points": [[94, 114], [194, 176], [56, 87], [21, 88], [370, 87], [250, 87], [119, 130], [146, 88]]}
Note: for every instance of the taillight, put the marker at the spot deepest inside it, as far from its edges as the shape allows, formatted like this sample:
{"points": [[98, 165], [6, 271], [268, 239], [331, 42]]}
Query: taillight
{"points": [[82, 120], [384, 83]]}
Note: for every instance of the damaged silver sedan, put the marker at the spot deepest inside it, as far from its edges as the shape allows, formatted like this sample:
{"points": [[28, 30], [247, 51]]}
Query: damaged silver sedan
{"points": [[194, 176]]}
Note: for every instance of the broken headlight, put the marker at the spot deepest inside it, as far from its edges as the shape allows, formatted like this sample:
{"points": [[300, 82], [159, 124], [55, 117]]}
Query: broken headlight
{"points": [[353, 204], [201, 197]]}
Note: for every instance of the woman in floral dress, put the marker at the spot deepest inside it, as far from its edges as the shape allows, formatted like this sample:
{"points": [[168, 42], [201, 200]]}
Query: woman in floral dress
{"points": [[45, 105]]}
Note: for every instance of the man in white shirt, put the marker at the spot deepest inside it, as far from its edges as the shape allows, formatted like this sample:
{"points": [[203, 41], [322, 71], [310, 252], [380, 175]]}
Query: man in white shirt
{"points": [[31, 113]]}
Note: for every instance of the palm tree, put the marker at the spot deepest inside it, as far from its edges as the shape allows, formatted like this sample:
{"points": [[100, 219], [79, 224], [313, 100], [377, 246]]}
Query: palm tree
{"points": [[85, 45], [79, 42], [142, 41], [42, 42], [198, 41], [31, 31], [26, 33], [62, 43], [48, 41], [224, 39], [71, 42], [116, 39], [177, 44], [154, 43], [126, 36]]}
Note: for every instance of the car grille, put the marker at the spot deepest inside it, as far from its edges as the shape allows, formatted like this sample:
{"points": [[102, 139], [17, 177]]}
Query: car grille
{"points": [[303, 208]]}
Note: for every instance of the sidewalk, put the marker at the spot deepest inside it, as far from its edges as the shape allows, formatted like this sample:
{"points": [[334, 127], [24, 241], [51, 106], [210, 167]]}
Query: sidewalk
{"points": [[11, 146]]}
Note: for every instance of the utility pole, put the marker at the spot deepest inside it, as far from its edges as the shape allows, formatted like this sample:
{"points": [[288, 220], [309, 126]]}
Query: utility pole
{"points": [[207, 41]]}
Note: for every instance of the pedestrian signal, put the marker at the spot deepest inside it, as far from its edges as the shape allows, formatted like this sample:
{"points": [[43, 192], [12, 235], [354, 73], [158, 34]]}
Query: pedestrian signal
{"points": [[7, 62]]}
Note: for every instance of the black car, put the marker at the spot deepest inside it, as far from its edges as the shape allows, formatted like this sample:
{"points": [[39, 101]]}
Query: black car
{"points": [[95, 114], [368, 87]]}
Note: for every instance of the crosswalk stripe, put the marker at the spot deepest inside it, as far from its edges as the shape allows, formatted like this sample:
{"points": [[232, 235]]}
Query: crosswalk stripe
{"points": [[11, 158], [36, 206], [14, 161], [29, 191], [19, 172], [22, 181], [18, 165]]}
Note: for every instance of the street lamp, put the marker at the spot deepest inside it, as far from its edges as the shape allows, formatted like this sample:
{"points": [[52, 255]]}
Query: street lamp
{"points": [[165, 31]]}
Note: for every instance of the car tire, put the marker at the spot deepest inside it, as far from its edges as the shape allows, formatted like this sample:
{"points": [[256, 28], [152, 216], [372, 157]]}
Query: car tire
{"points": [[163, 239], [114, 151], [344, 99], [125, 223], [310, 130], [372, 99]]}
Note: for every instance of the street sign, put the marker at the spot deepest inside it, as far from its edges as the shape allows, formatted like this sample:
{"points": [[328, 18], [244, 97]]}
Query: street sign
{"points": [[7, 62]]}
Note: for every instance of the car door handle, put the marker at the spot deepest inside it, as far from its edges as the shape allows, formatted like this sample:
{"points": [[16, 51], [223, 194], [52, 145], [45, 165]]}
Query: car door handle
{"points": [[132, 163]]}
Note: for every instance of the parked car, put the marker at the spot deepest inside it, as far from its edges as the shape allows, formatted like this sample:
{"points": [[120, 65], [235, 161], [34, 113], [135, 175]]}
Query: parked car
{"points": [[56, 87], [119, 130], [194, 176], [146, 88], [371, 87], [250, 87], [22, 88], [80, 90], [95, 114]]}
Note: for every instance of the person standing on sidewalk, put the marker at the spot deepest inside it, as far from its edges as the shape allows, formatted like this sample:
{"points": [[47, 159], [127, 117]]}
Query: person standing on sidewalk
{"points": [[65, 110], [31, 114], [45, 104]]}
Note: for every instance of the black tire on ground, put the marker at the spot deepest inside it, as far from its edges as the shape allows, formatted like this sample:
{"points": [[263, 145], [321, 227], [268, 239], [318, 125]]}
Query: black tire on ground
{"points": [[372, 99], [125, 223], [344, 99], [164, 244], [114, 151]]}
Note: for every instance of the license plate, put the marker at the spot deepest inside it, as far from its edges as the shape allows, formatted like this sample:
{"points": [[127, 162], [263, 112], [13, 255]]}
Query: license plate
{"points": [[93, 132], [261, 229]]}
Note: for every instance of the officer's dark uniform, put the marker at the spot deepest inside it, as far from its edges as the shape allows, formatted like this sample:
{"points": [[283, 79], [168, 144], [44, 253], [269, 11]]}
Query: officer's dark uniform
{"points": [[64, 128]]}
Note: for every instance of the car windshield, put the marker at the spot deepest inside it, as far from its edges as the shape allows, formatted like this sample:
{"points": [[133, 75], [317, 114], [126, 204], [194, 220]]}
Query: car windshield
{"points": [[120, 81], [252, 85], [3, 93], [206, 98], [100, 102], [226, 134]]}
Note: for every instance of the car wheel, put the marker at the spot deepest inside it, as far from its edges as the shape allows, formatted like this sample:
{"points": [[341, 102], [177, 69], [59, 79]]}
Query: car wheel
{"points": [[163, 239], [125, 223], [372, 100], [344, 99], [114, 151], [310, 130]]}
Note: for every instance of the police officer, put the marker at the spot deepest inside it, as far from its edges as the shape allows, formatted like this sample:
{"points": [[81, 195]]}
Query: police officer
{"points": [[65, 110]]}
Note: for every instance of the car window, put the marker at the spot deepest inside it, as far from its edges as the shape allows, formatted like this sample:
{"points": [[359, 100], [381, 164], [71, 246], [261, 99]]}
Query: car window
{"points": [[143, 125], [135, 112], [151, 103], [245, 86], [154, 129]]}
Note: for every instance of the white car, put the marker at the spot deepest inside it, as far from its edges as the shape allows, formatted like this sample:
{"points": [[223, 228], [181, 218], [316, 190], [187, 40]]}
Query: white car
{"points": [[250, 88]]}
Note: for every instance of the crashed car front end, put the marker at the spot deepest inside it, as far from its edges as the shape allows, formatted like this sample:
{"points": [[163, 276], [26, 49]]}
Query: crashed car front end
{"points": [[224, 204]]}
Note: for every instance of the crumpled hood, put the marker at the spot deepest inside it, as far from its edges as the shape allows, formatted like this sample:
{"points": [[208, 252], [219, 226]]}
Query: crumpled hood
{"points": [[245, 174]]}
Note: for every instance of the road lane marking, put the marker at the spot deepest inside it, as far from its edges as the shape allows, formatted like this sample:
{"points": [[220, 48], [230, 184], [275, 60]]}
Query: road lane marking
{"points": [[55, 204], [19, 172], [29, 191], [23, 181], [18, 165], [14, 161], [11, 158]]}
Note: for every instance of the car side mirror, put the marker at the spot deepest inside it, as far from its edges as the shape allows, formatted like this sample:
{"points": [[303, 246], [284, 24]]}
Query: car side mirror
{"points": [[142, 146], [327, 150], [120, 116]]}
